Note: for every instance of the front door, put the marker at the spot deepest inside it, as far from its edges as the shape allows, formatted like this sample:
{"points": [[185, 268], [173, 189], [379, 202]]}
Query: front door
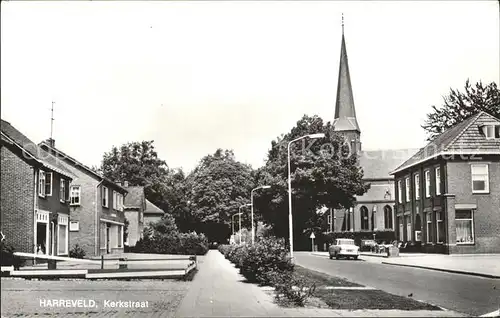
{"points": [[108, 249]]}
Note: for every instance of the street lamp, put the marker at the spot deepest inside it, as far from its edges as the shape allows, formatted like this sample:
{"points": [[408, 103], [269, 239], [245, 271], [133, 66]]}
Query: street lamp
{"points": [[251, 200], [290, 221], [240, 213]]}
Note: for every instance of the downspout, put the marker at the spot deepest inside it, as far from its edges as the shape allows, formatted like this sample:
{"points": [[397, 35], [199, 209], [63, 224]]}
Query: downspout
{"points": [[35, 243], [96, 229]]}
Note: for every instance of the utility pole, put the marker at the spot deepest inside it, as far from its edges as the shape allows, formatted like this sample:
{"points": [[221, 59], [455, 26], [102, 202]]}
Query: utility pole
{"points": [[51, 120]]}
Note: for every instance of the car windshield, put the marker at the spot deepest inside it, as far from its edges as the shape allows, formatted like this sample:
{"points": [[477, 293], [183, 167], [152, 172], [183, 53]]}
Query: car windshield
{"points": [[346, 242]]}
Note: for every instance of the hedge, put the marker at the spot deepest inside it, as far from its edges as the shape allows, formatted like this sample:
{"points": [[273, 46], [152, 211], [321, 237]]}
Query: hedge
{"points": [[173, 243]]}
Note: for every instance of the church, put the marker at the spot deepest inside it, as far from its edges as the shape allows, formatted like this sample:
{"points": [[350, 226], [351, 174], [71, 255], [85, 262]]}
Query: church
{"points": [[373, 211]]}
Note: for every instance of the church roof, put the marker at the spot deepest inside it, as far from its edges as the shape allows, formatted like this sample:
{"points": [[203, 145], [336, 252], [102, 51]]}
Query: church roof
{"points": [[345, 113], [463, 138], [378, 164]]}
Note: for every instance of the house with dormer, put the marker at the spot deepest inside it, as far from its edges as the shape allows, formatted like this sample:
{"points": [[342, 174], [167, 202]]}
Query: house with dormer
{"points": [[96, 205], [35, 202], [448, 194]]}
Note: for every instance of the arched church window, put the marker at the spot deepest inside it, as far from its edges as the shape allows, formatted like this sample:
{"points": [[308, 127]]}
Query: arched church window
{"points": [[364, 218], [388, 217]]}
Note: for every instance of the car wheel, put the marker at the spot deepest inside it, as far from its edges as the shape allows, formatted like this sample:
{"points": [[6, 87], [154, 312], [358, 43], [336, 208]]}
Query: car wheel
{"points": [[337, 256], [331, 257], [355, 257]]}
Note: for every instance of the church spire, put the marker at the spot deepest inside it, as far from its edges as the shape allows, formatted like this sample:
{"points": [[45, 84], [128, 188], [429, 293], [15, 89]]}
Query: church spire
{"points": [[345, 113]]}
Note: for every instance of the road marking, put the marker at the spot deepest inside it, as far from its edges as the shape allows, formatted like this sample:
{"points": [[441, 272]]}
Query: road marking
{"points": [[495, 313]]}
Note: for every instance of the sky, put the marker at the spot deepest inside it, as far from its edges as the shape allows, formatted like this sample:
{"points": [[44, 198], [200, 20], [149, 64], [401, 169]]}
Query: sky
{"points": [[195, 76]]}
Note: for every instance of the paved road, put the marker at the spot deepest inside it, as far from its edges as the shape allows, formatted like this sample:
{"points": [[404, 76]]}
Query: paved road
{"points": [[462, 293]]}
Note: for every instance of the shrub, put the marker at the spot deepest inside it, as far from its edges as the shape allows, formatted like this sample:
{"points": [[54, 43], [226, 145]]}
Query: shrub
{"points": [[7, 257], [173, 243], [291, 288], [77, 252]]}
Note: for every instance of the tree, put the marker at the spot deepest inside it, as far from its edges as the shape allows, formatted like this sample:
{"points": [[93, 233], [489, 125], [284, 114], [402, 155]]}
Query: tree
{"points": [[138, 163], [460, 105], [215, 190], [324, 172]]}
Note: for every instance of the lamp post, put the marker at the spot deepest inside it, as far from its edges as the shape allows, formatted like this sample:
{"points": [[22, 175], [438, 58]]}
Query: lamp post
{"points": [[251, 200], [290, 220], [240, 213]]}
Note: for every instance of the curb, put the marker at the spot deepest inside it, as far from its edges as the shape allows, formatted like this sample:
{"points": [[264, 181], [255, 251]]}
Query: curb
{"points": [[446, 270]]}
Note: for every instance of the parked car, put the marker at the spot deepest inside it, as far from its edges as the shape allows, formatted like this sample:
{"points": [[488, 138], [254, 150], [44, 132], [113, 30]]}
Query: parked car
{"points": [[368, 245], [343, 248]]}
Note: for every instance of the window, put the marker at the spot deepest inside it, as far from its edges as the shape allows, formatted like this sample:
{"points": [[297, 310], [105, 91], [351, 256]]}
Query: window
{"points": [[427, 184], [48, 184], [63, 191], [438, 181], [400, 192], [407, 189], [417, 187], [105, 197], [428, 231], [74, 226], [440, 231], [388, 217], [464, 221], [480, 178], [408, 228], [75, 195], [115, 200], [491, 131], [41, 183], [120, 236], [62, 238], [364, 218]]}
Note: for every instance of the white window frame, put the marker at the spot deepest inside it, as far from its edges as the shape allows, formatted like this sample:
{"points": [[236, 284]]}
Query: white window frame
{"points": [[489, 131], [438, 180], [115, 200], [41, 183], [474, 176], [74, 226], [428, 229], [427, 177], [400, 191], [49, 194], [407, 189], [472, 230], [63, 219], [105, 197], [62, 190], [438, 221], [78, 190], [417, 186]]}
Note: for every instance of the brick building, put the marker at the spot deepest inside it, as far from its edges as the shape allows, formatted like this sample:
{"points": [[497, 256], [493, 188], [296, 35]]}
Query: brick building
{"points": [[35, 212], [135, 205], [448, 194], [373, 211], [96, 204]]}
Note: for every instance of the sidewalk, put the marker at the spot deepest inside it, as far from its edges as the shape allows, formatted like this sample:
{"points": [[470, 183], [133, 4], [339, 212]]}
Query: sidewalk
{"points": [[218, 290], [484, 265]]}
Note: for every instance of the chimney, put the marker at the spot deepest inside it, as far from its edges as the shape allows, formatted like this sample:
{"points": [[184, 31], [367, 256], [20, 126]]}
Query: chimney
{"points": [[51, 142], [125, 184]]}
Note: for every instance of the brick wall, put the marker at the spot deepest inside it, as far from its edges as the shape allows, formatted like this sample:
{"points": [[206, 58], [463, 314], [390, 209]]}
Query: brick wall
{"points": [[17, 201], [487, 215]]}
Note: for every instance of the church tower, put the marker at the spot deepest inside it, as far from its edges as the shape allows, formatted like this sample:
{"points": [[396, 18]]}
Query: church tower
{"points": [[345, 120]]}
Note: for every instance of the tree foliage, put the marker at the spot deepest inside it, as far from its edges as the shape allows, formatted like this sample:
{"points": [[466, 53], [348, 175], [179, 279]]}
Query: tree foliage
{"points": [[324, 172], [215, 190], [460, 105], [139, 164]]}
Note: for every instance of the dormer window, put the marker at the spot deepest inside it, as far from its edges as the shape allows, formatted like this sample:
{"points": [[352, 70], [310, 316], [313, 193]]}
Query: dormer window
{"points": [[491, 131]]}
